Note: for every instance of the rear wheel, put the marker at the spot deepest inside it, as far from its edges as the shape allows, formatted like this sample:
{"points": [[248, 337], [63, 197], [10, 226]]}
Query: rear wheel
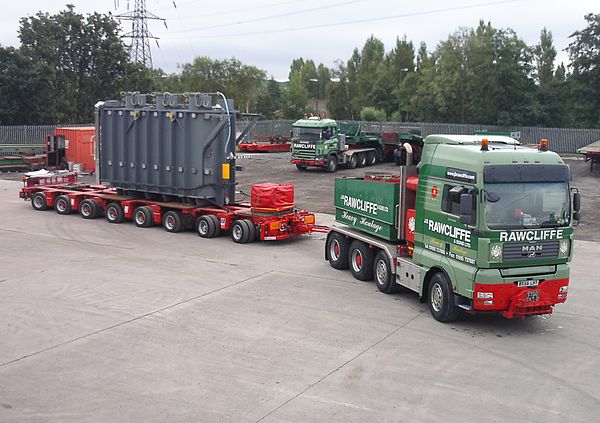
{"points": [[243, 231], [172, 221], [38, 201], [371, 158], [114, 213], [142, 217], [208, 226], [332, 164], [89, 209], [362, 160], [382, 272], [361, 260], [337, 250], [62, 204], [301, 167], [352, 162], [440, 299]]}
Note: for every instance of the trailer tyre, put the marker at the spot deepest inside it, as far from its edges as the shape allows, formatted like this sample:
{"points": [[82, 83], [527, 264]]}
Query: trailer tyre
{"points": [[172, 221], [142, 217], [62, 204], [337, 251], [38, 201], [208, 226], [371, 158], [440, 299], [89, 209], [114, 213], [240, 232], [352, 162], [332, 164], [382, 273], [362, 160], [361, 260]]}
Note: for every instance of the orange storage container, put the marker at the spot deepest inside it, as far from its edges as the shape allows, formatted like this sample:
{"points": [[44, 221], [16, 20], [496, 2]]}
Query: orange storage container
{"points": [[79, 146]]}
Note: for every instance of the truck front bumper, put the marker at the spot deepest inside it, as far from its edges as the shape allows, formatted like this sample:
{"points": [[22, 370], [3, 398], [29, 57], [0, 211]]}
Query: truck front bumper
{"points": [[316, 162], [515, 301]]}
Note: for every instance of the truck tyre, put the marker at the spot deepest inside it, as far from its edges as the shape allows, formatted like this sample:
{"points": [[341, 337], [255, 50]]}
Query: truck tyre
{"points": [[251, 230], [301, 168], [38, 201], [380, 154], [172, 221], [352, 162], [114, 213], [440, 299], [332, 164], [337, 251], [62, 204], [371, 158], [89, 209], [240, 233], [382, 273], [361, 160], [361, 260], [142, 217], [208, 226]]}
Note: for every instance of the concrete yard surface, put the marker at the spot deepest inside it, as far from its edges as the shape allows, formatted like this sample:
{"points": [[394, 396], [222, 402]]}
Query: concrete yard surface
{"points": [[113, 323]]}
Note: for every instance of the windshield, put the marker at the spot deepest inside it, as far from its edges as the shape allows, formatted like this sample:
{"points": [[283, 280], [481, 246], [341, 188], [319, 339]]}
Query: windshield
{"points": [[526, 205], [307, 134]]}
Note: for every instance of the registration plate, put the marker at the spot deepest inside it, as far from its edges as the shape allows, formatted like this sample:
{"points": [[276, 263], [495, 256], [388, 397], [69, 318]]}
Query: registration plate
{"points": [[528, 283], [533, 296]]}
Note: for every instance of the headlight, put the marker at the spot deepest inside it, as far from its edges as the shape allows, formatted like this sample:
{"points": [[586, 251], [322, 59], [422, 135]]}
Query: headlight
{"points": [[563, 249], [496, 252], [564, 288]]}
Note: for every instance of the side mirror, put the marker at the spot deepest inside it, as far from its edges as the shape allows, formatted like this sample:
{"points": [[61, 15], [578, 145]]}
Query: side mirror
{"points": [[466, 209], [576, 202]]}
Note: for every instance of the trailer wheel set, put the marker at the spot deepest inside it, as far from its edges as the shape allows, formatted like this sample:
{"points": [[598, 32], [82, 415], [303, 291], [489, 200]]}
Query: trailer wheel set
{"points": [[66, 196]]}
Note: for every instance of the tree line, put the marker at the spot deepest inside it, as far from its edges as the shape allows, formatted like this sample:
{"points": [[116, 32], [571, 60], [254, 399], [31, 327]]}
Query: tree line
{"points": [[67, 62]]}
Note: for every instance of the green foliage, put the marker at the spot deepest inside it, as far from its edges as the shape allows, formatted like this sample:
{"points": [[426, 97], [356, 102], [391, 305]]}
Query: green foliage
{"points": [[230, 76], [338, 95], [294, 99], [372, 114], [88, 60]]}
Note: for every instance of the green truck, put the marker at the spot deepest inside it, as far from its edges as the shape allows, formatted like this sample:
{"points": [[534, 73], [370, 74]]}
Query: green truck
{"points": [[323, 143], [481, 225]]}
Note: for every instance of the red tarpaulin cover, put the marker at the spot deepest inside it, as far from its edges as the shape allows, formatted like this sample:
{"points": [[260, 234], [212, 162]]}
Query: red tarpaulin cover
{"points": [[270, 197]]}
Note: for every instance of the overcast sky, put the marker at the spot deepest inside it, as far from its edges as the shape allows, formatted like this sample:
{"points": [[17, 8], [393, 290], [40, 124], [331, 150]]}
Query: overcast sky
{"points": [[270, 33]]}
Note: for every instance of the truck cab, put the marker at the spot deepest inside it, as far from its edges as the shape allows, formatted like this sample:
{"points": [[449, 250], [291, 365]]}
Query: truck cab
{"points": [[315, 142], [488, 229]]}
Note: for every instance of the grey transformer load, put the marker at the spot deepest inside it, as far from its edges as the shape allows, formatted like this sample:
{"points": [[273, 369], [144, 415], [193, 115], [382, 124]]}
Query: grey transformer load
{"points": [[168, 147]]}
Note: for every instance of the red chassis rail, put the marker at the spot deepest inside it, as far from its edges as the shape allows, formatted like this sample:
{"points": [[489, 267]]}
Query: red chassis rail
{"points": [[67, 195]]}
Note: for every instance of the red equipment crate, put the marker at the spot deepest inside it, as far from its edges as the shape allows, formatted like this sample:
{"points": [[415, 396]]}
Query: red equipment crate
{"points": [[270, 197], [79, 145]]}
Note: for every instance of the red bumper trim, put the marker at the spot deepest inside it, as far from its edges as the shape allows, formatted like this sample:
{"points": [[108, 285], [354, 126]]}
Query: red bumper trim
{"points": [[309, 162]]}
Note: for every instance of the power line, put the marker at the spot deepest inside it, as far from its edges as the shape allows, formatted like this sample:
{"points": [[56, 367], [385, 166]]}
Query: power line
{"points": [[227, 12], [280, 15], [358, 21]]}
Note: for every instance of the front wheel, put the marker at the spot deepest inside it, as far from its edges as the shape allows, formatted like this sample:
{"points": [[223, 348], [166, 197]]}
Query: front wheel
{"points": [[332, 164], [38, 201], [441, 299]]}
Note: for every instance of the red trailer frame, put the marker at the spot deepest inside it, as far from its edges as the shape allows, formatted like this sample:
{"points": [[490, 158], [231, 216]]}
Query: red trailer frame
{"points": [[267, 144], [67, 195]]}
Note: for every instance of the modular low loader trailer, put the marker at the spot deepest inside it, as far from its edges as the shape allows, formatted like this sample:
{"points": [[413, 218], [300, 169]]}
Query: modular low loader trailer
{"points": [[170, 159], [481, 225], [319, 142], [65, 194]]}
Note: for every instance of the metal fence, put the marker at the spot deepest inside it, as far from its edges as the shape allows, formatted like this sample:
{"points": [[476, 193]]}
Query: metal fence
{"points": [[32, 139], [562, 140]]}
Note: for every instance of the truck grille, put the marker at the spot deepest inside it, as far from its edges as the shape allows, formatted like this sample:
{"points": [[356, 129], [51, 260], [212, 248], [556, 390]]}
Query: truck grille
{"points": [[526, 252], [304, 155]]}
